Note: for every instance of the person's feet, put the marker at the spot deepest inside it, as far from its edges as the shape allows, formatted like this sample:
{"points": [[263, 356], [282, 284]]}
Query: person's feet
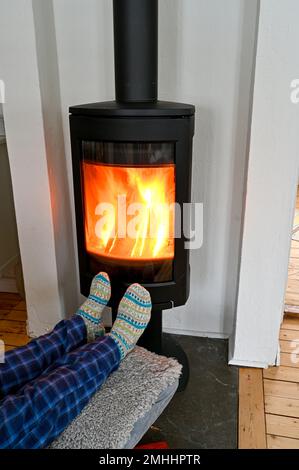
{"points": [[91, 310], [134, 313]]}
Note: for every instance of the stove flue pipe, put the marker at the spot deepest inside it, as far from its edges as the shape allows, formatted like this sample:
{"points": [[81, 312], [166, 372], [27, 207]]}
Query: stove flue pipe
{"points": [[135, 50]]}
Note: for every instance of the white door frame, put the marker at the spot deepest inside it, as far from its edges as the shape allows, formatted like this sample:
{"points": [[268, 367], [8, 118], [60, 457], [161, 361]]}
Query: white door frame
{"points": [[27, 150], [270, 191]]}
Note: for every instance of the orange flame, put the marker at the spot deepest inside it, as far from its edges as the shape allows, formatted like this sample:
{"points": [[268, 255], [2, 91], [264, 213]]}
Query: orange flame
{"points": [[109, 225]]}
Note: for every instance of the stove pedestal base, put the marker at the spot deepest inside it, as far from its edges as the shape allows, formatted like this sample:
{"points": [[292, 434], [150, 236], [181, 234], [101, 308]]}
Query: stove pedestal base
{"points": [[161, 343], [171, 348]]}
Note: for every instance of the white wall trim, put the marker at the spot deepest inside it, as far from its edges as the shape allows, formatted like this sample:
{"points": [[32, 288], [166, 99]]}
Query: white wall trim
{"points": [[202, 334], [244, 363], [272, 180], [241, 362], [28, 164]]}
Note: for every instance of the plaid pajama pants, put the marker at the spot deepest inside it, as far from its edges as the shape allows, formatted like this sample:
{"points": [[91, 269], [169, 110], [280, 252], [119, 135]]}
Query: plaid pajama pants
{"points": [[47, 383]]}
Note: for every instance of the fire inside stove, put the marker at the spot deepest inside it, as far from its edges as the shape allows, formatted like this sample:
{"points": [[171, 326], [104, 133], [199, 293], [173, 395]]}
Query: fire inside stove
{"points": [[129, 211]]}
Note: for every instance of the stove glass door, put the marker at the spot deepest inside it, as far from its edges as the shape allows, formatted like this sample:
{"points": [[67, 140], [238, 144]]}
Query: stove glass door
{"points": [[129, 196]]}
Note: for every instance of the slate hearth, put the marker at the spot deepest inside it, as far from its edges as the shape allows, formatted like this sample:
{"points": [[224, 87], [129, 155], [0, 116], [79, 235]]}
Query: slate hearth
{"points": [[205, 414]]}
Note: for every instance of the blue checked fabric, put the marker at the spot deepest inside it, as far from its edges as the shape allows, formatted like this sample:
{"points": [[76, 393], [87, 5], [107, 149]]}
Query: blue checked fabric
{"points": [[34, 416], [28, 362]]}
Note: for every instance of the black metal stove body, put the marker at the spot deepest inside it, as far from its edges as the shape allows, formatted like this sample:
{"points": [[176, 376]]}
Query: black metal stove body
{"points": [[105, 137], [135, 131]]}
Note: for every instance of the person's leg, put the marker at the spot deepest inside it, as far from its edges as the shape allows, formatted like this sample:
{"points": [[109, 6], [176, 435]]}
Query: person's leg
{"points": [[133, 316], [28, 362], [92, 309], [42, 409], [25, 363]]}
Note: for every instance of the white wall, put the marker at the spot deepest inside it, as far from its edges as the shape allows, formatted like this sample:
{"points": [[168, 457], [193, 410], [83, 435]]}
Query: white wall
{"points": [[207, 58], [46, 48], [206, 52], [271, 187], [56, 58], [84, 37]]}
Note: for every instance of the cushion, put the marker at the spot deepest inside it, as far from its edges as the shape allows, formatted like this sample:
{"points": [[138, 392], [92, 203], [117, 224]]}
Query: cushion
{"points": [[126, 405]]}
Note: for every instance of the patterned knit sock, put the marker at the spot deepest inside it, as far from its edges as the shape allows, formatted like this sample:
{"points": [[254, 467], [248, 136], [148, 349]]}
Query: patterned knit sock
{"points": [[91, 310], [134, 313]]}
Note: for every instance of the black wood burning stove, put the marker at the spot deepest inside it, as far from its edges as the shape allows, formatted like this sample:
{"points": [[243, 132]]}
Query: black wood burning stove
{"points": [[135, 149]]}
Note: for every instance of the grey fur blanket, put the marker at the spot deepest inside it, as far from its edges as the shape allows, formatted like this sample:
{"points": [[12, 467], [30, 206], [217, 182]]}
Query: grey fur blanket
{"points": [[129, 393]]}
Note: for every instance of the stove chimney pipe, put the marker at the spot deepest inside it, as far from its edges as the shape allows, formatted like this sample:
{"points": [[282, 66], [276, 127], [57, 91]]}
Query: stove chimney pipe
{"points": [[135, 50]]}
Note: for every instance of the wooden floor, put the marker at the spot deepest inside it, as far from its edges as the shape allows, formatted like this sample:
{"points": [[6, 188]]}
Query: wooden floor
{"points": [[292, 292], [269, 398], [13, 318]]}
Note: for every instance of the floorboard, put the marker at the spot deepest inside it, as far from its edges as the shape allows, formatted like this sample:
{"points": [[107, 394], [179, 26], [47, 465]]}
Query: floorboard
{"points": [[282, 406], [287, 374], [278, 442], [288, 360], [283, 426], [13, 318], [252, 432]]}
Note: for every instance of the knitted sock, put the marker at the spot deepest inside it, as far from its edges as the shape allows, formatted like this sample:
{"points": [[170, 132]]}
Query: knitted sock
{"points": [[134, 313], [91, 310]]}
